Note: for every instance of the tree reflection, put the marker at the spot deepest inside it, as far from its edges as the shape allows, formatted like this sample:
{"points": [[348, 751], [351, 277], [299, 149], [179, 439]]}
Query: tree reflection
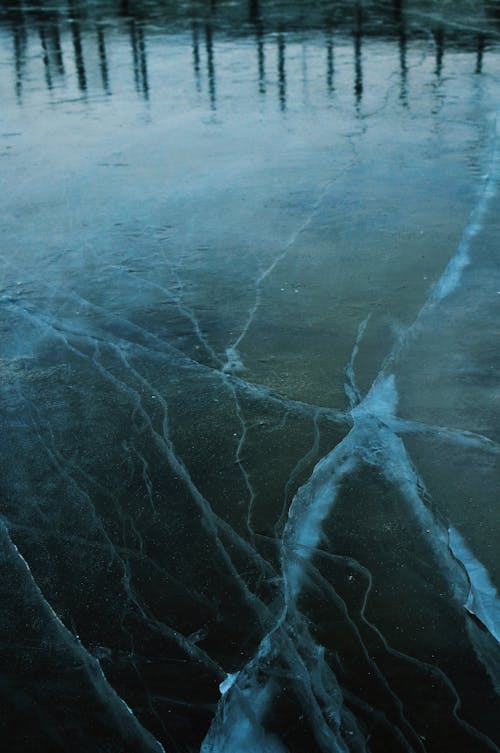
{"points": [[75, 35]]}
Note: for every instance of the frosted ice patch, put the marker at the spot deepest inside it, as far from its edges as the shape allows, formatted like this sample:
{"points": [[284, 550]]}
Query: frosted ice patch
{"points": [[237, 727], [452, 275], [233, 362], [228, 683], [381, 400], [483, 600]]}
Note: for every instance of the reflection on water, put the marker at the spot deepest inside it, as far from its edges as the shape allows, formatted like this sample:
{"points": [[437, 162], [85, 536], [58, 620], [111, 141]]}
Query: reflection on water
{"points": [[248, 376], [89, 32], [210, 65], [358, 36]]}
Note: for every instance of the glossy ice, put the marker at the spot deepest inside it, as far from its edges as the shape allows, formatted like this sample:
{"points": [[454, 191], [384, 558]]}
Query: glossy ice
{"points": [[249, 291]]}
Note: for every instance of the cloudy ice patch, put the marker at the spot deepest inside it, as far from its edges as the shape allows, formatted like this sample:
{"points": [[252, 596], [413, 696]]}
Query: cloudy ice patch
{"points": [[238, 726], [228, 683], [483, 600], [381, 400], [450, 279], [233, 363]]}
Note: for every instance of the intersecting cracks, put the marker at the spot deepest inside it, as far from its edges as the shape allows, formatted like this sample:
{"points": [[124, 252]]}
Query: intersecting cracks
{"points": [[120, 551], [301, 465], [325, 586], [429, 669], [372, 440], [164, 442], [89, 665], [212, 522], [178, 298], [237, 385], [187, 312], [118, 554], [157, 348], [350, 387], [232, 350], [218, 367], [233, 358], [152, 343], [215, 522]]}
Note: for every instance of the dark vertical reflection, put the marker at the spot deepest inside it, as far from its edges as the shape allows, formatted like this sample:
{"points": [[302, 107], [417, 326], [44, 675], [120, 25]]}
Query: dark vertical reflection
{"points": [[480, 53], [77, 46], [358, 65], [254, 10], [403, 43], [305, 74], [55, 42], [139, 58], [20, 40], [45, 55], [196, 57], [135, 56], [329, 57], [44, 20], [281, 72], [261, 61], [439, 41], [143, 63], [103, 59], [210, 66], [47, 24], [256, 20]]}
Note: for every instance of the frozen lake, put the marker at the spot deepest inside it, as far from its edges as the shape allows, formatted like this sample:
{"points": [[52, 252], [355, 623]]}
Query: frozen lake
{"points": [[249, 376]]}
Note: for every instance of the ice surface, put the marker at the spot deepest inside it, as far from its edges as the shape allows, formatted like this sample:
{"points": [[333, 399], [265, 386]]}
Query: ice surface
{"points": [[482, 600], [249, 377]]}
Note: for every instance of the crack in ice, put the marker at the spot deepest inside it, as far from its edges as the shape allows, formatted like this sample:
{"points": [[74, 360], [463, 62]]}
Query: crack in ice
{"points": [[118, 709], [240, 718]]}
